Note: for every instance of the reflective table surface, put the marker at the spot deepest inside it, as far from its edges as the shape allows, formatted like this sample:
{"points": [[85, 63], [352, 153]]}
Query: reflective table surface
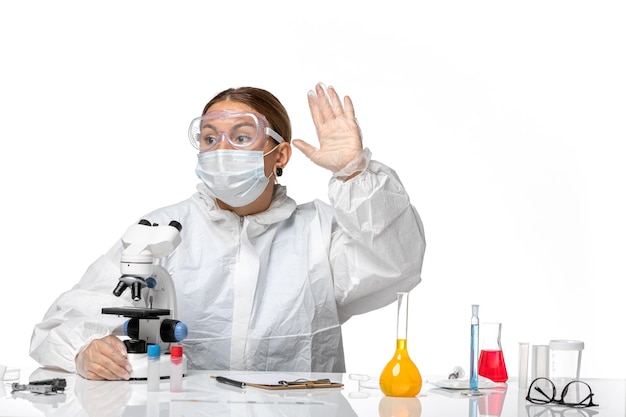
{"points": [[203, 396]]}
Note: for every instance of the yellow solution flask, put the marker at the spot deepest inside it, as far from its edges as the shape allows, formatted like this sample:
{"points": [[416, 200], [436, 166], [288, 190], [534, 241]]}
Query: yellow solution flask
{"points": [[400, 377]]}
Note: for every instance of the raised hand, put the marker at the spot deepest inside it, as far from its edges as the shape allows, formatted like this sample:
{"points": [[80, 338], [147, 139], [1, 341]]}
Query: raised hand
{"points": [[337, 129]]}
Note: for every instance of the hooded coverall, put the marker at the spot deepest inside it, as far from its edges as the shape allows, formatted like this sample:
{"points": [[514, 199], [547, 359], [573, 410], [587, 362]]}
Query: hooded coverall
{"points": [[264, 292]]}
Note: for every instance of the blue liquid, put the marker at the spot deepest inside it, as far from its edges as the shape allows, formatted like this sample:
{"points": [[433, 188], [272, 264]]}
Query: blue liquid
{"points": [[474, 359]]}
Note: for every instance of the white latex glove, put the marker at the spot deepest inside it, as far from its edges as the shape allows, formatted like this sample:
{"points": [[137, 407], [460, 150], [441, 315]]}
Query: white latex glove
{"points": [[104, 359], [337, 130]]}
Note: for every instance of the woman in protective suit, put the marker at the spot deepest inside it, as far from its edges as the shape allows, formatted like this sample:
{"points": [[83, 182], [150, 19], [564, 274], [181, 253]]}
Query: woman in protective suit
{"points": [[263, 284]]}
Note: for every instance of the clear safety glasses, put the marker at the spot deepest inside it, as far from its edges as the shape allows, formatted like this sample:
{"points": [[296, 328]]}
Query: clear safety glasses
{"points": [[242, 130]]}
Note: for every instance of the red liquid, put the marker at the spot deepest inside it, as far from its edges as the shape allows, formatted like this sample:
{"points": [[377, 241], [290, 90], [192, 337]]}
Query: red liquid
{"points": [[491, 365]]}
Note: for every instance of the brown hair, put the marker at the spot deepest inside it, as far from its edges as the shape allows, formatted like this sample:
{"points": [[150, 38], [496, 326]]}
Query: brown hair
{"points": [[261, 101]]}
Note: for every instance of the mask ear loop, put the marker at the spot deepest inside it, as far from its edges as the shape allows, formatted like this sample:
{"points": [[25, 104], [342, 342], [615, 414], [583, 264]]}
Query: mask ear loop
{"points": [[278, 171], [273, 149]]}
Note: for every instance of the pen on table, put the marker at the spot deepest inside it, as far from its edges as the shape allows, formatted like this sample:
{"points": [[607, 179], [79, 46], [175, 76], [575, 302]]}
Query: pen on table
{"points": [[232, 382]]}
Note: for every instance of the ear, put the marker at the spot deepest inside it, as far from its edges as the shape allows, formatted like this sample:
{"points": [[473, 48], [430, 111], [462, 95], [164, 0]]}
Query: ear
{"points": [[283, 154]]}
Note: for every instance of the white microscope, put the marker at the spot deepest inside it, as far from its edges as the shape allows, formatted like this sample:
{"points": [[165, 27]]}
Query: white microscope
{"points": [[152, 317]]}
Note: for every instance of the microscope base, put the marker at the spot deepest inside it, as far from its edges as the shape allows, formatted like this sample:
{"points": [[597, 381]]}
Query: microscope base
{"points": [[139, 363]]}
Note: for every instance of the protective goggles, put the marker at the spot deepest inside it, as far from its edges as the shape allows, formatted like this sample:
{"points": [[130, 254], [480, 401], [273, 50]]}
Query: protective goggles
{"points": [[242, 130]]}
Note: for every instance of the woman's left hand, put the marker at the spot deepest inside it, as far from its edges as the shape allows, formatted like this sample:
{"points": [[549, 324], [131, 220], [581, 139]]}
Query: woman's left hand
{"points": [[337, 130]]}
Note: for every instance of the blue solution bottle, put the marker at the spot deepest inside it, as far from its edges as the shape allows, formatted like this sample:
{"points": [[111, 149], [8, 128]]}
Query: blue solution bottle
{"points": [[154, 367]]}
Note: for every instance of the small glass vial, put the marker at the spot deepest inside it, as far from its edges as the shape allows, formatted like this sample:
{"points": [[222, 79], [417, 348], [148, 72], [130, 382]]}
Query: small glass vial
{"points": [[154, 367], [176, 369]]}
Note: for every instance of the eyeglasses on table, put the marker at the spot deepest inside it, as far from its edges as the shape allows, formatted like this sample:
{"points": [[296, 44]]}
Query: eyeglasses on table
{"points": [[575, 393]]}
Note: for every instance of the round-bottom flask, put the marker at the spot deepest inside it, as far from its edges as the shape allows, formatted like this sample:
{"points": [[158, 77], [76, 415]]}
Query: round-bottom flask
{"points": [[400, 377]]}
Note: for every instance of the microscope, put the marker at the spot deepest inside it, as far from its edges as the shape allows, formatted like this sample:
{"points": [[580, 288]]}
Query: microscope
{"points": [[152, 317]]}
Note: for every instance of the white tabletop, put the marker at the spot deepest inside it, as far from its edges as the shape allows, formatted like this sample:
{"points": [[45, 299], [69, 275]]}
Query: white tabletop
{"points": [[203, 396]]}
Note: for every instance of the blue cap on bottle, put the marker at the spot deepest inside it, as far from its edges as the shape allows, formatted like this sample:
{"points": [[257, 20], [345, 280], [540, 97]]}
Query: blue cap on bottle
{"points": [[154, 351]]}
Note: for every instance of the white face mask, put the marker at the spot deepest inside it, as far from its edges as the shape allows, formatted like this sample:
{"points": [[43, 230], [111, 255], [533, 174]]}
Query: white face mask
{"points": [[236, 177]]}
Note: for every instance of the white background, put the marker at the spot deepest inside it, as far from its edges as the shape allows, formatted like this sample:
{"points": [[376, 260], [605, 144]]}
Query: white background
{"points": [[505, 121]]}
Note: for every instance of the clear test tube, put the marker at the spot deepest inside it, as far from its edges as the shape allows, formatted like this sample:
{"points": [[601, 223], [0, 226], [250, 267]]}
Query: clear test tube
{"points": [[541, 361], [522, 371]]}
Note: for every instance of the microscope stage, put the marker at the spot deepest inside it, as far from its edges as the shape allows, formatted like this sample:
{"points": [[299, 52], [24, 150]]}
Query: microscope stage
{"points": [[137, 312]]}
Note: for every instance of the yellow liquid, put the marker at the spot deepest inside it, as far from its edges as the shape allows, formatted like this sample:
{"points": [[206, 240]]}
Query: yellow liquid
{"points": [[400, 377]]}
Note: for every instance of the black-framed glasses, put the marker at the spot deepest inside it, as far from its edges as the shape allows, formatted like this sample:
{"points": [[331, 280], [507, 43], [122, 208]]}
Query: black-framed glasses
{"points": [[575, 393]]}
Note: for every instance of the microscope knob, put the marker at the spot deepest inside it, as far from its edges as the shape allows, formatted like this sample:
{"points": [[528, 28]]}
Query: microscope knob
{"points": [[173, 330], [131, 328]]}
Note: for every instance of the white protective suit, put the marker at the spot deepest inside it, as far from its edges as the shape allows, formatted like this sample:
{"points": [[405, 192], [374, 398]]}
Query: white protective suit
{"points": [[266, 292]]}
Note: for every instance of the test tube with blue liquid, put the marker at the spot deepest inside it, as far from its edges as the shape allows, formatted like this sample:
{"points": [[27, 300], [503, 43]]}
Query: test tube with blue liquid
{"points": [[474, 350], [473, 377]]}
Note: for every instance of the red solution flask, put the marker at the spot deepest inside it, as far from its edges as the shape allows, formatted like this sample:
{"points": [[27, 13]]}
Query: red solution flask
{"points": [[491, 361]]}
